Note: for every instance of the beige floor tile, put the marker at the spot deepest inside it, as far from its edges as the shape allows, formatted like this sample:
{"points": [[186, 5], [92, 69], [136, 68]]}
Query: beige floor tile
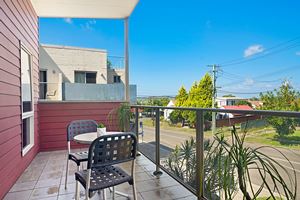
{"points": [[39, 193], [24, 195], [45, 177], [23, 186], [47, 183], [155, 194]]}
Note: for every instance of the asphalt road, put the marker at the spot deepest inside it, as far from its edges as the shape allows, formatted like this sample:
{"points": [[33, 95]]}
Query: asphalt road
{"points": [[169, 139]]}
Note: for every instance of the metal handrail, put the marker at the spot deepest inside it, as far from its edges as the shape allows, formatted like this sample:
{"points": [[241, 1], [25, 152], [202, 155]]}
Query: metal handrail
{"points": [[255, 112], [199, 192]]}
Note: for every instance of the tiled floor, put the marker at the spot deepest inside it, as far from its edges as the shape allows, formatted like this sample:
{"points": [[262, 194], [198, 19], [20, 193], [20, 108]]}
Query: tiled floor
{"points": [[44, 180]]}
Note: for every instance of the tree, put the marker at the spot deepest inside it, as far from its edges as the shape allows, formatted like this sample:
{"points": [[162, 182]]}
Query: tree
{"points": [[180, 99], [285, 98], [228, 95], [244, 102], [200, 96]]}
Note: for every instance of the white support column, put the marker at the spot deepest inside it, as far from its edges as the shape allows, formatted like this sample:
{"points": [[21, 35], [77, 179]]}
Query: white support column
{"points": [[126, 51]]}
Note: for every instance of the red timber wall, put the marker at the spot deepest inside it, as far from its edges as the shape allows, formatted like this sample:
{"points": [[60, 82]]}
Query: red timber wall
{"points": [[54, 118], [18, 23]]}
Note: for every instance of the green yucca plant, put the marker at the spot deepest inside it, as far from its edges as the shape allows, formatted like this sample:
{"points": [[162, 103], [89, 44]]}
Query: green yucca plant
{"points": [[276, 180], [228, 166]]}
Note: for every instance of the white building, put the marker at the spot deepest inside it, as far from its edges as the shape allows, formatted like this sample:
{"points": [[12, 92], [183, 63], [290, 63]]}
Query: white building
{"points": [[228, 101], [167, 112], [64, 64]]}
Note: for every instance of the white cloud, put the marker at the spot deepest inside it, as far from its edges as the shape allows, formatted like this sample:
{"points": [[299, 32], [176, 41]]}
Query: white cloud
{"points": [[68, 20], [253, 49], [249, 82], [298, 53], [89, 25]]}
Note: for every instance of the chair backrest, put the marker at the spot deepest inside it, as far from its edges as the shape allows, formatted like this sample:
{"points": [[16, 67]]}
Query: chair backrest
{"points": [[78, 127], [112, 149]]}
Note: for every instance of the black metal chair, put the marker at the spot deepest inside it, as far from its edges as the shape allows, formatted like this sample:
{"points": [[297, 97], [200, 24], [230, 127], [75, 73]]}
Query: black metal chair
{"points": [[78, 127], [101, 173]]}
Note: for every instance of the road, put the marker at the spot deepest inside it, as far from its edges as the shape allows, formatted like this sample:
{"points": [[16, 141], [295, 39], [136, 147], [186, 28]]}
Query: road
{"points": [[169, 139]]}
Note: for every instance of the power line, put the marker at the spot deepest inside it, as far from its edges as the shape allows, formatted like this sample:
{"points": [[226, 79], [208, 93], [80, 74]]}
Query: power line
{"points": [[231, 92], [260, 57], [294, 68], [268, 50]]}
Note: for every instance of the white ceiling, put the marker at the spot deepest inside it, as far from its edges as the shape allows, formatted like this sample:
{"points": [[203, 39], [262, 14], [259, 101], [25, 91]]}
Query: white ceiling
{"points": [[102, 9]]}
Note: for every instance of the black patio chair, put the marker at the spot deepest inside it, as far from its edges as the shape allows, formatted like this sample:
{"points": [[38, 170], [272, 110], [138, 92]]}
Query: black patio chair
{"points": [[101, 173], [78, 127]]}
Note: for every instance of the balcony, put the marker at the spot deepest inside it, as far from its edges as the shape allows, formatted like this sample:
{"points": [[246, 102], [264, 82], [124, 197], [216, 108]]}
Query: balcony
{"points": [[156, 179], [44, 179]]}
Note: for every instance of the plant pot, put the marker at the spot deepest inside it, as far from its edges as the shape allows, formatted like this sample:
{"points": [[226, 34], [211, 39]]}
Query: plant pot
{"points": [[101, 131]]}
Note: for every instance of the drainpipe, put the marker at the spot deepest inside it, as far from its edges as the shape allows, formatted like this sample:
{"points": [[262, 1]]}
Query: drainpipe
{"points": [[126, 51]]}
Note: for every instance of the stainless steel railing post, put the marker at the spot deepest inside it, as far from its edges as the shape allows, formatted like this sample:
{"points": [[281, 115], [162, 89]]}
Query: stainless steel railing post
{"points": [[157, 142], [200, 154], [136, 129]]}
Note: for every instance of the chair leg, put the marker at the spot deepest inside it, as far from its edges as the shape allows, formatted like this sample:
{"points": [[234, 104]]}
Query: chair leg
{"points": [[87, 195], [77, 193], [104, 194], [134, 191], [113, 193], [67, 173]]}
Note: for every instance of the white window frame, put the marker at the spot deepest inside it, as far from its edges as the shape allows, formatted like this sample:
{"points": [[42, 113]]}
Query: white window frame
{"points": [[30, 114]]}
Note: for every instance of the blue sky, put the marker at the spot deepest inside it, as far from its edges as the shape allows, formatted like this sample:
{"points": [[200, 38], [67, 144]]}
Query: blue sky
{"points": [[172, 43]]}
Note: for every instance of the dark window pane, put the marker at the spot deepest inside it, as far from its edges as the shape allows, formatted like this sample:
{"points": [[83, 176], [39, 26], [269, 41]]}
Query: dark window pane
{"points": [[90, 77], [79, 77], [27, 106], [117, 79], [25, 132], [43, 85]]}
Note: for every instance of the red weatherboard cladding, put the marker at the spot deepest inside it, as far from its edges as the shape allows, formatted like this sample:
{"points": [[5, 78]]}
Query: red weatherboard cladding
{"points": [[54, 118], [18, 23]]}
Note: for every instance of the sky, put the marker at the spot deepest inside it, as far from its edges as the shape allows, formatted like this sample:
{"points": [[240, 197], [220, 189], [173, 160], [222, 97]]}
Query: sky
{"points": [[255, 43]]}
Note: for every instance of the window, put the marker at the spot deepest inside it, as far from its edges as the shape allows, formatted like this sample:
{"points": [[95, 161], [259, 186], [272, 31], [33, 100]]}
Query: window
{"points": [[85, 77], [117, 79], [27, 101]]}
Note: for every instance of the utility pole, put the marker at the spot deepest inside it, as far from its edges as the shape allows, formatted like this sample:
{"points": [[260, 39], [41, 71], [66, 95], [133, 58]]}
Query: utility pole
{"points": [[214, 95]]}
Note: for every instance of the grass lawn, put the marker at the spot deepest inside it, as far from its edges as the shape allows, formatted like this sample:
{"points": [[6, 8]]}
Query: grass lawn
{"points": [[166, 126], [271, 138], [264, 136]]}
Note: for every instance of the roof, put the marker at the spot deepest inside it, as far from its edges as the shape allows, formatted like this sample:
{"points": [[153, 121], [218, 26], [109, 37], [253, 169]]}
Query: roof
{"points": [[72, 48], [256, 103], [97, 9], [239, 107]]}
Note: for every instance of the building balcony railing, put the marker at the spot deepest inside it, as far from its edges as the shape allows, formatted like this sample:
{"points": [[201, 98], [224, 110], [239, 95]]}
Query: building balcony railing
{"points": [[84, 92], [198, 159]]}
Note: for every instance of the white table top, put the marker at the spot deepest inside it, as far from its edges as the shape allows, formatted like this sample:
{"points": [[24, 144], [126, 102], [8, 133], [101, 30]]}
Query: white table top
{"points": [[88, 138]]}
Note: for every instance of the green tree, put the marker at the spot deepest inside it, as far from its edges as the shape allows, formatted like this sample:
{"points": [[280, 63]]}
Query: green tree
{"points": [[244, 102], [228, 95], [180, 99], [200, 96], [286, 99]]}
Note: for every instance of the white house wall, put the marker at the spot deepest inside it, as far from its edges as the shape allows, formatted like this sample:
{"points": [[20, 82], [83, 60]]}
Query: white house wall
{"points": [[67, 60]]}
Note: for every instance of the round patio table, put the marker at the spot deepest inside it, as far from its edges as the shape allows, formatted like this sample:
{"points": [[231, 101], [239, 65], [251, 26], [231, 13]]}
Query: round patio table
{"points": [[88, 138]]}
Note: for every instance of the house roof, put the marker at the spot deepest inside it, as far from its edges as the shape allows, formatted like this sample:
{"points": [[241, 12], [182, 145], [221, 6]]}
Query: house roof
{"points": [[97, 9], [239, 107], [72, 48]]}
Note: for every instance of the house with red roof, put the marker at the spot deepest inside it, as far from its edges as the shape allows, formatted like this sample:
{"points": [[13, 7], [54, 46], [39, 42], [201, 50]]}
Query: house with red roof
{"points": [[233, 115]]}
